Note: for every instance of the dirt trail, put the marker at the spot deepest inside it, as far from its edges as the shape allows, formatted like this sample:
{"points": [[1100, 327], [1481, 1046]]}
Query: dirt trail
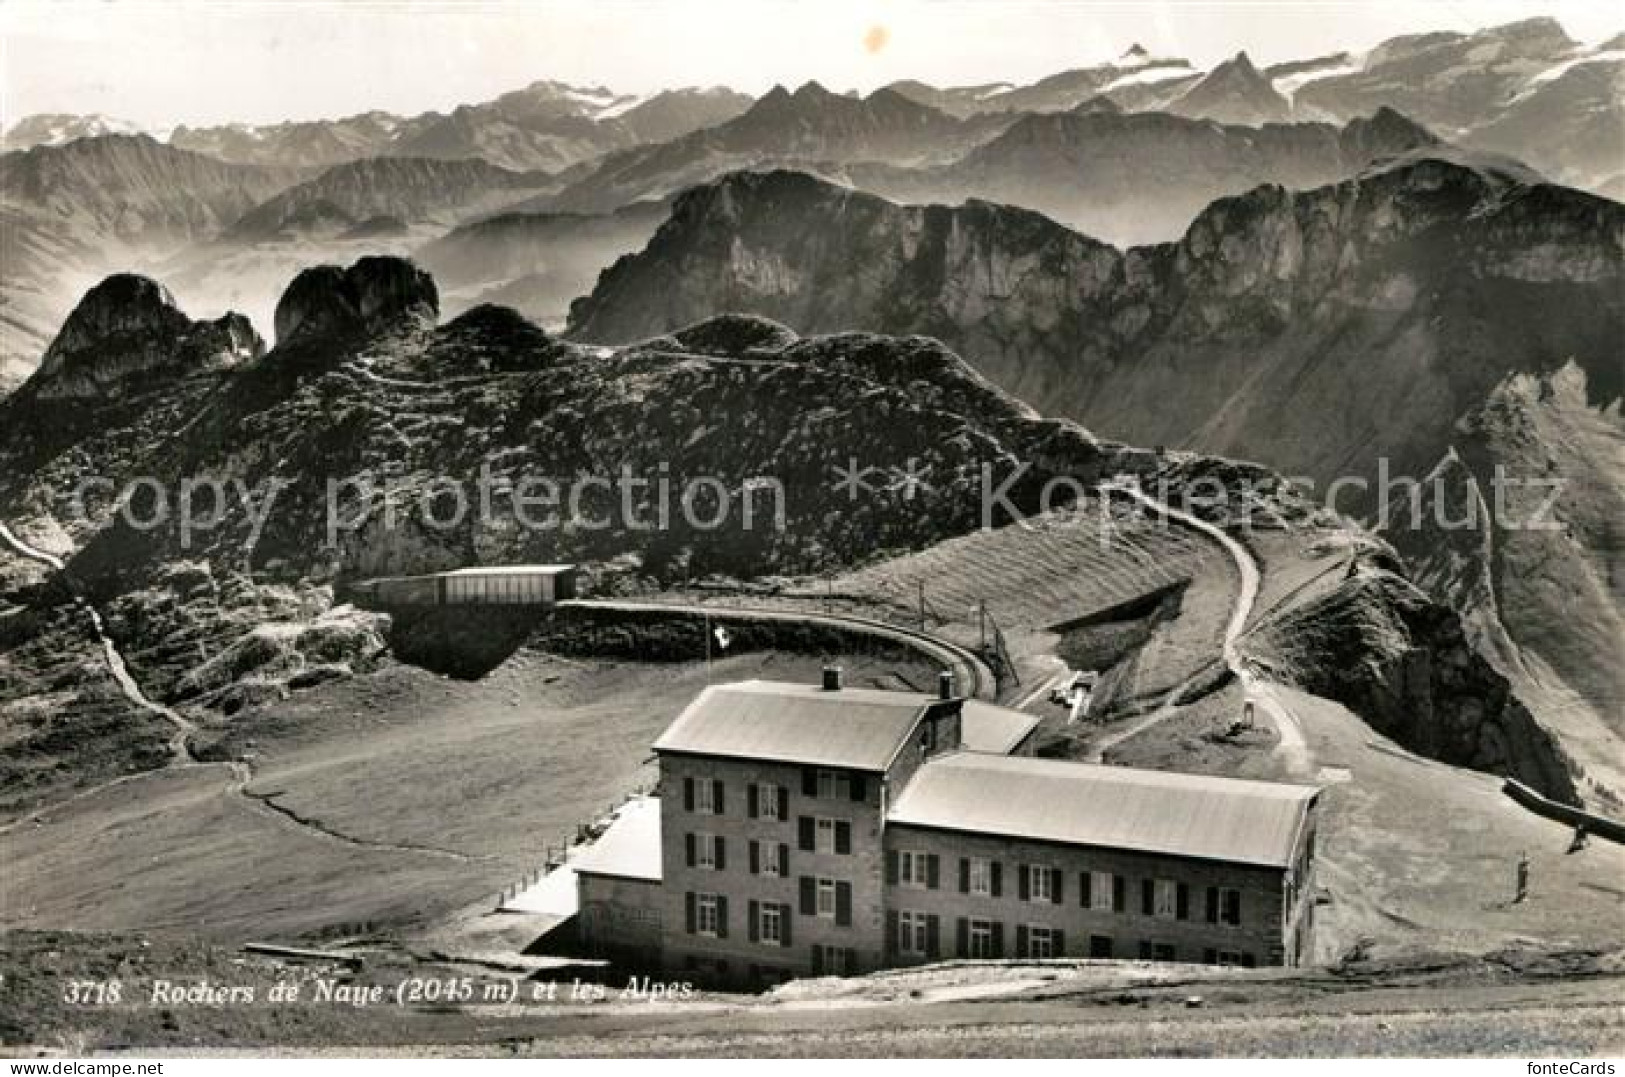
{"points": [[1292, 750], [180, 747], [180, 744]]}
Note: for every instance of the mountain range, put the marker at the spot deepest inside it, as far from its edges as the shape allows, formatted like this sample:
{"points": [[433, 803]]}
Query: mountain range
{"points": [[1349, 332]]}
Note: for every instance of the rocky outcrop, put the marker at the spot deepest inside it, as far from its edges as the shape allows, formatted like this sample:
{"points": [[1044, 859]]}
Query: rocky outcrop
{"points": [[1381, 647], [370, 296], [127, 334], [1316, 331]]}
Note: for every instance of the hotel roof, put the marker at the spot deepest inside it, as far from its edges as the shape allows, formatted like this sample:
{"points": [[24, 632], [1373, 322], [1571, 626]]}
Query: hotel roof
{"points": [[1210, 818], [985, 727], [854, 728]]}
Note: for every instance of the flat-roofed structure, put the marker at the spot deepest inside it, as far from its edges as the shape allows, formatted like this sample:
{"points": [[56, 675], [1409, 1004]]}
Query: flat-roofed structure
{"points": [[489, 585], [618, 884]]}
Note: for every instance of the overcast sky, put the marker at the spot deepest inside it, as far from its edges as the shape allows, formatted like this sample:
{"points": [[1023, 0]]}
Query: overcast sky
{"points": [[161, 62]]}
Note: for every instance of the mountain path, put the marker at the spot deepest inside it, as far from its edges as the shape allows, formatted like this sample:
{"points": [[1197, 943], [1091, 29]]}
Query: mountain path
{"points": [[1291, 748]]}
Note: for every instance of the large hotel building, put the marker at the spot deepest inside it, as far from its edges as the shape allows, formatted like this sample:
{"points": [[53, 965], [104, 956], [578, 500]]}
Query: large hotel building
{"points": [[807, 830]]}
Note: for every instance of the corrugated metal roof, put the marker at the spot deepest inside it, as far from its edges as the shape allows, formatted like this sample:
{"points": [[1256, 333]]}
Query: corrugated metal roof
{"points": [[630, 847], [856, 728], [509, 570], [988, 728], [1212, 818]]}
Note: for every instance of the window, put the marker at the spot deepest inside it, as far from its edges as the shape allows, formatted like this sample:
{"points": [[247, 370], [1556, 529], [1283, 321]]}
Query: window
{"points": [[825, 836], [1162, 951], [767, 800], [826, 898], [1230, 957], [1102, 885], [1040, 942], [981, 939], [1229, 905], [706, 914], [769, 858], [913, 870], [771, 928], [1100, 946], [1166, 899], [833, 785], [705, 797], [913, 932], [705, 851], [1040, 883], [981, 875], [834, 960]]}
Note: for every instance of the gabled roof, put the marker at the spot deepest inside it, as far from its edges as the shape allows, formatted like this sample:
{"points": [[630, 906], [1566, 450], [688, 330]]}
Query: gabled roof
{"points": [[853, 728], [1211, 818], [985, 727], [630, 847]]}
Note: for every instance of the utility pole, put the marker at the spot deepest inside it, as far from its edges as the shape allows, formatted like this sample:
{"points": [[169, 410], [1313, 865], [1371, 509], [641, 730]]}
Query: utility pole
{"points": [[981, 623], [922, 604]]}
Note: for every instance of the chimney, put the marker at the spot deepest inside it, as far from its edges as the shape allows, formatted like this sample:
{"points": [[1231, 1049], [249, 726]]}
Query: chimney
{"points": [[945, 685], [832, 678]]}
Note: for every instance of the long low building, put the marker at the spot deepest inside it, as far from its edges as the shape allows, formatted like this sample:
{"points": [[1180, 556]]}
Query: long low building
{"points": [[489, 585], [816, 829]]}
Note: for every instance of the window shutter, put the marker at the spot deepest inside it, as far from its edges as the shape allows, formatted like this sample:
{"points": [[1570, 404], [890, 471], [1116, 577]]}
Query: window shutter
{"points": [[722, 853], [1058, 941], [1086, 895], [891, 867], [716, 796], [722, 916], [850, 957], [784, 925], [843, 837], [754, 917], [1235, 906], [843, 904], [1148, 897], [688, 794], [809, 896], [964, 875], [818, 960], [933, 871], [1213, 904], [963, 930], [1022, 886], [688, 843], [750, 800], [1182, 901], [1119, 898], [933, 936], [858, 786], [1057, 879], [784, 860], [891, 932], [998, 939], [809, 781], [689, 914], [806, 838], [1021, 940], [755, 857], [998, 878]]}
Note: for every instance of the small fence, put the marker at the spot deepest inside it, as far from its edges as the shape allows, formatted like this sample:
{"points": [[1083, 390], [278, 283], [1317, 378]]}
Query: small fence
{"points": [[1600, 825], [556, 856]]}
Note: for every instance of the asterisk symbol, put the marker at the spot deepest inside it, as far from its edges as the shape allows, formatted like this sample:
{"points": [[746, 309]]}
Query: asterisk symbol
{"points": [[852, 478], [910, 479]]}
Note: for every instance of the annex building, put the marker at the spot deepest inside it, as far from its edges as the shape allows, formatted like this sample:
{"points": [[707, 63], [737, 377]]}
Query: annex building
{"points": [[819, 830]]}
